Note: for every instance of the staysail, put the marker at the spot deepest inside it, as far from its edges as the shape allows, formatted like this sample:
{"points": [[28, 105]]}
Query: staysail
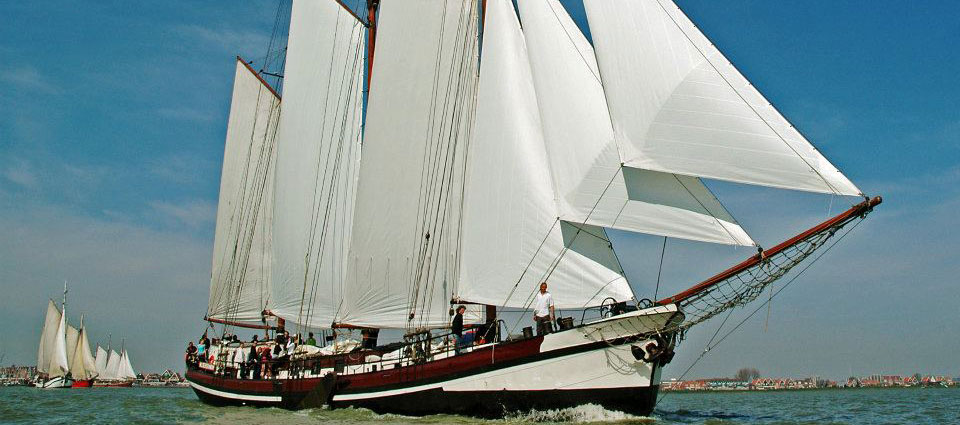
{"points": [[239, 284], [101, 362], [593, 186], [318, 149], [403, 260], [512, 236], [73, 339], [679, 106], [52, 354]]}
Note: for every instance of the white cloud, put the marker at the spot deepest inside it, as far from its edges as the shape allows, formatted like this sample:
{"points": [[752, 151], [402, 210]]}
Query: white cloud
{"points": [[22, 173], [194, 213], [28, 78], [226, 39]]}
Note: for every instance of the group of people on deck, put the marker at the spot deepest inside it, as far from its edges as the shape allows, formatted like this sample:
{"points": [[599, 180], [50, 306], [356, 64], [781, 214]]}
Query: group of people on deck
{"points": [[257, 358]]}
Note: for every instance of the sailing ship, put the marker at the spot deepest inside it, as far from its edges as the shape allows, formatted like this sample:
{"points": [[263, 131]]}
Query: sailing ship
{"points": [[498, 147], [114, 370], [64, 359]]}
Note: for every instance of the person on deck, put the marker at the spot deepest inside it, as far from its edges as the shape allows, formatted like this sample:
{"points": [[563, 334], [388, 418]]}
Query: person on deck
{"points": [[456, 329], [543, 313], [253, 359], [311, 340], [191, 355]]}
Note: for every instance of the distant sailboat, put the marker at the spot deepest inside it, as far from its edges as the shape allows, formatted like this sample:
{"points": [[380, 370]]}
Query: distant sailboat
{"points": [[114, 368], [53, 363]]}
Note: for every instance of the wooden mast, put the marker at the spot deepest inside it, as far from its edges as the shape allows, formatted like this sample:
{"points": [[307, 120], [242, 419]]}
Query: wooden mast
{"points": [[372, 6]]}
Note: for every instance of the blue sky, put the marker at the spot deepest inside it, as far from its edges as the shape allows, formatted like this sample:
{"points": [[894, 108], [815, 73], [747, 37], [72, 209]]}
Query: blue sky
{"points": [[112, 118]]}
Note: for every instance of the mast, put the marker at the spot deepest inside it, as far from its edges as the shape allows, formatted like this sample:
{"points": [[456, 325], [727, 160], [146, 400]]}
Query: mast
{"points": [[372, 6]]}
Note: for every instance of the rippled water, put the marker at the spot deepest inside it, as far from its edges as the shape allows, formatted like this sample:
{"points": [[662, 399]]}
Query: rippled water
{"points": [[22, 405]]}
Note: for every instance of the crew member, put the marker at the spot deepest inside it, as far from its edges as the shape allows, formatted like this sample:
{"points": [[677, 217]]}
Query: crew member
{"points": [[543, 313]]}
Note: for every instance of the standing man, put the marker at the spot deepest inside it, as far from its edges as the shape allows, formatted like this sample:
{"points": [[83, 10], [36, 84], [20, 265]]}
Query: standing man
{"points": [[543, 311], [456, 329]]}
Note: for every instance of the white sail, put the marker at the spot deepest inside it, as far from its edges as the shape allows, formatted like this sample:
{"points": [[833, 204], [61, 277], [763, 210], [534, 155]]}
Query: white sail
{"points": [[239, 284], [101, 362], [317, 160], [418, 117], [82, 363], [511, 234], [679, 106], [125, 371], [112, 370], [59, 364], [592, 186], [45, 353], [73, 338]]}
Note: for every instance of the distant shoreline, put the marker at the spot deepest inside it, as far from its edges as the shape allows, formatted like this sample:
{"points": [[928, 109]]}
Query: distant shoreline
{"points": [[768, 390]]}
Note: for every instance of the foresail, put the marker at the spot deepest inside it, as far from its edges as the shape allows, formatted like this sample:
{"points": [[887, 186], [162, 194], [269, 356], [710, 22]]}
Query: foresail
{"points": [[73, 340], [317, 160], [403, 260], [48, 338], [512, 236], [592, 185], [239, 284], [679, 106]]}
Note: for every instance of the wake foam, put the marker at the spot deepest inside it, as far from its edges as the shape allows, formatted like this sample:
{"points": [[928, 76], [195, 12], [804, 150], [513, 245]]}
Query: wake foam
{"points": [[581, 414]]}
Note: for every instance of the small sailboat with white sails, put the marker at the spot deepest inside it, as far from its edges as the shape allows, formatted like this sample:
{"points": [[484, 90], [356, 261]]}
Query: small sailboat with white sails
{"points": [[114, 369], [64, 359], [498, 146]]}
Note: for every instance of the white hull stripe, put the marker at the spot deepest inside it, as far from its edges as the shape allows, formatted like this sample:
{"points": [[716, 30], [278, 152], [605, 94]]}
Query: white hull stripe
{"points": [[233, 396], [451, 385]]}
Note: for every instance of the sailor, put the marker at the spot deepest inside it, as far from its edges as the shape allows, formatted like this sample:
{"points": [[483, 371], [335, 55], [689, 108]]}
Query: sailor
{"points": [[456, 328], [311, 340], [543, 313]]}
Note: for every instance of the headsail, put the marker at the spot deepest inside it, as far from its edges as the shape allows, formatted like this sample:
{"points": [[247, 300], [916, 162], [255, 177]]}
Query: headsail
{"points": [[59, 364], [592, 185], [82, 363], [239, 284], [679, 106], [403, 260], [512, 236], [73, 339], [318, 151]]}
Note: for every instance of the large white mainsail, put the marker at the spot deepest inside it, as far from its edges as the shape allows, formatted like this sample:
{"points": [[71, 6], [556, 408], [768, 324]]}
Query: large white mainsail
{"points": [[101, 362], [592, 186], [318, 151], [679, 106], [112, 370], [239, 284], [59, 364], [512, 236], [48, 355], [403, 259]]}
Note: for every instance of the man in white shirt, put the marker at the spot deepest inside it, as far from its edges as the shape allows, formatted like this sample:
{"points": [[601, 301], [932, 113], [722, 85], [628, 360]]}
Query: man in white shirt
{"points": [[543, 311]]}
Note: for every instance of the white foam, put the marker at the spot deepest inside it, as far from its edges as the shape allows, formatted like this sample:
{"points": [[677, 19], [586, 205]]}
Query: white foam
{"points": [[579, 414]]}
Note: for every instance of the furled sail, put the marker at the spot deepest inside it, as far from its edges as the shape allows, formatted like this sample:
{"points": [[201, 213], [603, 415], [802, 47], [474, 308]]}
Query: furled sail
{"points": [[512, 237], [49, 359], [125, 371], [101, 362], [403, 259], [112, 370], [679, 106], [239, 284], [318, 150], [592, 185]]}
